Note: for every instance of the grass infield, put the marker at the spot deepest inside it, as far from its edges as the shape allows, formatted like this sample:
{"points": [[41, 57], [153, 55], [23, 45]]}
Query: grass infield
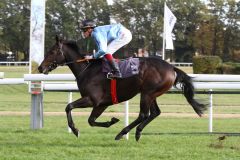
{"points": [[164, 138], [167, 138]]}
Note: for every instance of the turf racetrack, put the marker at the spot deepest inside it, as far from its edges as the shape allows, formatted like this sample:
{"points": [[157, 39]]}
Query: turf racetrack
{"points": [[166, 138]]}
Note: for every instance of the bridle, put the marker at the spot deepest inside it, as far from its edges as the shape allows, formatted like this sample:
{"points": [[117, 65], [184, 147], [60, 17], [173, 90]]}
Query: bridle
{"points": [[54, 64]]}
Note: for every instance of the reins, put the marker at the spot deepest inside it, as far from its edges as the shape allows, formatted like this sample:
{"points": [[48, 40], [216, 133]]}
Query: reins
{"points": [[77, 61]]}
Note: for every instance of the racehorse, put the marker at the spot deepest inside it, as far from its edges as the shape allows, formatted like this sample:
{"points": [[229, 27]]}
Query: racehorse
{"points": [[155, 78]]}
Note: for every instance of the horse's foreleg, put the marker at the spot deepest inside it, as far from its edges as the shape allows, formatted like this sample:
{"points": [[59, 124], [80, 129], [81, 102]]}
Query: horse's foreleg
{"points": [[144, 113], [96, 112], [129, 127], [80, 103], [154, 112]]}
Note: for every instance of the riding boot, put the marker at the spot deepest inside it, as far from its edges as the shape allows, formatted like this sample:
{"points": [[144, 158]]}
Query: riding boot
{"points": [[115, 70]]}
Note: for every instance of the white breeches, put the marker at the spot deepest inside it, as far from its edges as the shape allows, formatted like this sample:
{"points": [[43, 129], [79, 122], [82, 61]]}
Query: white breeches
{"points": [[125, 38]]}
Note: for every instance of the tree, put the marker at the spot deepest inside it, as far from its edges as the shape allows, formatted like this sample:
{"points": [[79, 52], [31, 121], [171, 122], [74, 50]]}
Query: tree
{"points": [[232, 30], [144, 19], [218, 32], [218, 12], [211, 29], [64, 17], [189, 15], [14, 24]]}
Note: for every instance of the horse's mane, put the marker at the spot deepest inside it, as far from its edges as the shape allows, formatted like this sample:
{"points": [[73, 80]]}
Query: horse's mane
{"points": [[73, 45]]}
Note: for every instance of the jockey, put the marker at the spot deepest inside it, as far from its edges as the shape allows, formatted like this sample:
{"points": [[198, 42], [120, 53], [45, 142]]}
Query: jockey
{"points": [[108, 38]]}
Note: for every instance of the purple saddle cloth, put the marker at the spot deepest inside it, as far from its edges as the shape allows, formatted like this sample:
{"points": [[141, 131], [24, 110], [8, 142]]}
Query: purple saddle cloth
{"points": [[128, 67]]}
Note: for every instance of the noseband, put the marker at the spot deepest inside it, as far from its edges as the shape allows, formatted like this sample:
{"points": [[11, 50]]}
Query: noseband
{"points": [[54, 64]]}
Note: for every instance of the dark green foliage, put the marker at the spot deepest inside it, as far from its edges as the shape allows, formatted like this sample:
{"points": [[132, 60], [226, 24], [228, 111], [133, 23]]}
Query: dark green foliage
{"points": [[14, 27], [230, 68], [206, 64], [210, 29]]}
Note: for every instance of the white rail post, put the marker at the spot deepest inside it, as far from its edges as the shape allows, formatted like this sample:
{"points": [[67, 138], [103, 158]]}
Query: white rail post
{"points": [[37, 111], [36, 55], [210, 126], [126, 117], [1, 75], [69, 101]]}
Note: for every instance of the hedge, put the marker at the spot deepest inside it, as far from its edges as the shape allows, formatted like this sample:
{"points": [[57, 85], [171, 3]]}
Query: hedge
{"points": [[230, 68], [206, 64]]}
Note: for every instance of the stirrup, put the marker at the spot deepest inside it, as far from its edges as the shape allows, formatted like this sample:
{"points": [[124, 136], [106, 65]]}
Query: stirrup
{"points": [[110, 75]]}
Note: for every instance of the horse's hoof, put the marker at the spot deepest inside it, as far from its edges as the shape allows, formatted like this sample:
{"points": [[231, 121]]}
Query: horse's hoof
{"points": [[118, 137], [137, 136], [76, 133], [114, 120]]}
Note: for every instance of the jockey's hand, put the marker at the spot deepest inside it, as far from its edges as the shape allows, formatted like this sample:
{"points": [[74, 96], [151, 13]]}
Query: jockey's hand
{"points": [[88, 57]]}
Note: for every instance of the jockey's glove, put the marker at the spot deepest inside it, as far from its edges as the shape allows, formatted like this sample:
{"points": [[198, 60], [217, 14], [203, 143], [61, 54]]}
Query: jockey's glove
{"points": [[88, 57]]}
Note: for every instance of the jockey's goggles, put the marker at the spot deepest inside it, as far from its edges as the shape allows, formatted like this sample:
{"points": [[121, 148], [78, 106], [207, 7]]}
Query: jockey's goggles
{"points": [[84, 29]]}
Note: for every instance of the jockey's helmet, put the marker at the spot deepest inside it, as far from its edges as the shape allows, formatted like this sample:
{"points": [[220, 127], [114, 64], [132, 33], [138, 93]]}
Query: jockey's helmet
{"points": [[88, 24]]}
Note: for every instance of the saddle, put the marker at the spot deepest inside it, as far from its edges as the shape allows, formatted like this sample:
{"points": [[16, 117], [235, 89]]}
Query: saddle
{"points": [[128, 67]]}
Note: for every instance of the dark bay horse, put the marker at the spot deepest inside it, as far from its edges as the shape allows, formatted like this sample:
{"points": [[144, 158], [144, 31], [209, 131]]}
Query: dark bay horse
{"points": [[154, 79]]}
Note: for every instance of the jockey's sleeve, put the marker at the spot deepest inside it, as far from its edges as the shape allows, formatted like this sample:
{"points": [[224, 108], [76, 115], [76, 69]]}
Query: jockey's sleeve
{"points": [[101, 43]]}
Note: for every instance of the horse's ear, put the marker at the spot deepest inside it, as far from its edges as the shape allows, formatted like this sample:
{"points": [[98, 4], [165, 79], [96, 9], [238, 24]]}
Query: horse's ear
{"points": [[58, 40]]}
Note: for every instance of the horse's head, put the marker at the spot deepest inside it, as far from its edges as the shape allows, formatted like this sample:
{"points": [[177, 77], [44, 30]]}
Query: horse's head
{"points": [[53, 58]]}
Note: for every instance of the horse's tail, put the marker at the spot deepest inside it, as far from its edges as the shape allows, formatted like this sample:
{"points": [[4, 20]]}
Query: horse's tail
{"points": [[188, 91]]}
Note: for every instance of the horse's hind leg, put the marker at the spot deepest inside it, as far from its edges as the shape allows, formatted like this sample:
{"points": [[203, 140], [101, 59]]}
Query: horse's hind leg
{"points": [[96, 112], [154, 112], [144, 113], [80, 103]]}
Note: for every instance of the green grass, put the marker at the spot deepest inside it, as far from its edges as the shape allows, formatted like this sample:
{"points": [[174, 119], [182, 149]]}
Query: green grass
{"points": [[19, 71], [16, 98], [164, 138]]}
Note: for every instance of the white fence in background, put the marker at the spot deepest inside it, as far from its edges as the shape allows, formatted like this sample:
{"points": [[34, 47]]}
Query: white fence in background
{"points": [[181, 64], [201, 81], [66, 83], [1, 75], [9, 81], [21, 63], [26, 63]]}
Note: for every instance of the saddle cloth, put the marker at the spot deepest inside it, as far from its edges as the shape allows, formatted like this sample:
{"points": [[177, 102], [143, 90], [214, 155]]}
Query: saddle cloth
{"points": [[128, 67]]}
